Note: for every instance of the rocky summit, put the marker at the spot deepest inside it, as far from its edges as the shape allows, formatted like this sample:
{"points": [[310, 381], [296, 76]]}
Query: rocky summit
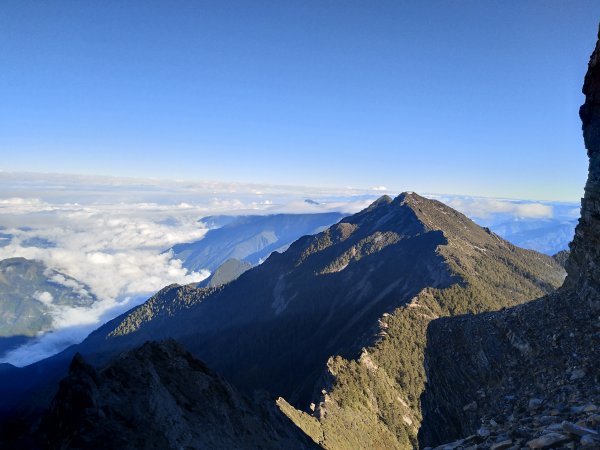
{"points": [[160, 397], [527, 376]]}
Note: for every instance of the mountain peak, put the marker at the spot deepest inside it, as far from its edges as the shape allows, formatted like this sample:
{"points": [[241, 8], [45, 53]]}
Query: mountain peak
{"points": [[407, 196], [381, 201]]}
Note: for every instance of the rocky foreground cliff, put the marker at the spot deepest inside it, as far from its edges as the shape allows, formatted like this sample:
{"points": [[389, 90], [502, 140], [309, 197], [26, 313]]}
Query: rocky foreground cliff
{"points": [[527, 376], [160, 397]]}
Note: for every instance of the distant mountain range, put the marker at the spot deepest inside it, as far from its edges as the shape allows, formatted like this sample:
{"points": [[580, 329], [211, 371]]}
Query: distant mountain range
{"points": [[30, 294], [248, 238], [548, 236]]}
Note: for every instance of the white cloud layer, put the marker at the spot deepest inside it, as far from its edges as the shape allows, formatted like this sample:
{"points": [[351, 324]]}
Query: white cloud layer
{"points": [[111, 234], [117, 250], [484, 208]]}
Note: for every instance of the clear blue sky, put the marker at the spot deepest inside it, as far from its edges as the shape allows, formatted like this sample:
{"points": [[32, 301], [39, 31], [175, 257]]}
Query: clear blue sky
{"points": [[472, 97]]}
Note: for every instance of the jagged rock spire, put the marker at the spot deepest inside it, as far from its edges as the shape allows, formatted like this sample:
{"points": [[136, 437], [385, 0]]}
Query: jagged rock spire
{"points": [[583, 266]]}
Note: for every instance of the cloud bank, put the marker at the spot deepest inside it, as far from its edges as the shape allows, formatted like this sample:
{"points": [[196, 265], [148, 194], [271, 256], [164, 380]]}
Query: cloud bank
{"points": [[111, 234], [486, 207]]}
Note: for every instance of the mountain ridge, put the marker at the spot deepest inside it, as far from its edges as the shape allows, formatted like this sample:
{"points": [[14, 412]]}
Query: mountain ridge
{"points": [[320, 316], [330, 292], [375, 398]]}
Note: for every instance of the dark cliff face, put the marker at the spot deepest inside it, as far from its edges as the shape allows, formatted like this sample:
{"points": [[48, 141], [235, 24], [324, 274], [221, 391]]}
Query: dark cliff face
{"points": [[583, 266], [160, 397], [527, 375], [490, 371]]}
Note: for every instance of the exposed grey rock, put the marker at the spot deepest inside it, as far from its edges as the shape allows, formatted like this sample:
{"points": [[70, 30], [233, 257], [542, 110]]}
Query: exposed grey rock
{"points": [[561, 257], [470, 406], [577, 430], [535, 403], [483, 432], [577, 374], [547, 440], [502, 445], [589, 441]]}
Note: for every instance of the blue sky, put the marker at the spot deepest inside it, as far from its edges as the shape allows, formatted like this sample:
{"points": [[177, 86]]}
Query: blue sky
{"points": [[466, 97]]}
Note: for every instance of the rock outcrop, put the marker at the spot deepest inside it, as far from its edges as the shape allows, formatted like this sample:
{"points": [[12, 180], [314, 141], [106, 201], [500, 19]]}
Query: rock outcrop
{"points": [[518, 373], [562, 257], [160, 397], [527, 376], [583, 265]]}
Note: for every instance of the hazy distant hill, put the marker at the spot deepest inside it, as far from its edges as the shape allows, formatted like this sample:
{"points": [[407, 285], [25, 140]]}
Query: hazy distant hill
{"points": [[548, 236], [226, 273], [29, 294], [248, 238]]}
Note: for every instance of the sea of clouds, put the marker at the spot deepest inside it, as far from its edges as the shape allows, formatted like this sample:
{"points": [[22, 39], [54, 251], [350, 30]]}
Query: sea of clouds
{"points": [[113, 234]]}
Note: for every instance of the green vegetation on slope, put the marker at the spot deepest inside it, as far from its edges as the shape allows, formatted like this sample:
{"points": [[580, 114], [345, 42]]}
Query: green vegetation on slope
{"points": [[374, 402]]}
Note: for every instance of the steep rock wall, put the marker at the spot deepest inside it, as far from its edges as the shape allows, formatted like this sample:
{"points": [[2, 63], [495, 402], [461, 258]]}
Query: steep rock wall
{"points": [[527, 374]]}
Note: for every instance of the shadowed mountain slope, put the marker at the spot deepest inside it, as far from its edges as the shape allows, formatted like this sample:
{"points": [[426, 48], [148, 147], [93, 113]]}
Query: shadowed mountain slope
{"points": [[277, 324], [159, 396]]}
